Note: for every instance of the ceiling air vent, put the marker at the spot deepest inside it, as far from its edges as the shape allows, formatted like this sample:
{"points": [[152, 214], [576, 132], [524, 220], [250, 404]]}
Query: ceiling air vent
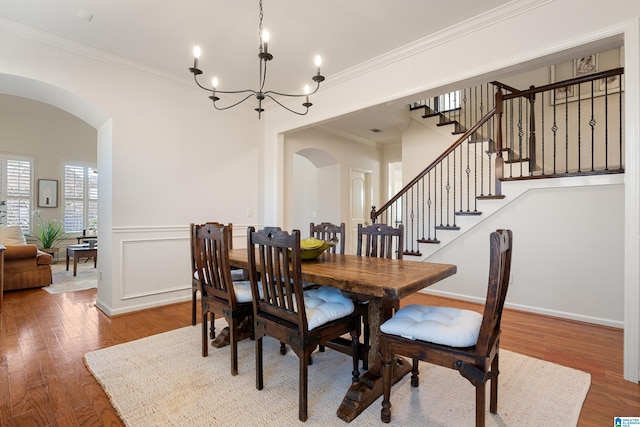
{"points": [[374, 130]]}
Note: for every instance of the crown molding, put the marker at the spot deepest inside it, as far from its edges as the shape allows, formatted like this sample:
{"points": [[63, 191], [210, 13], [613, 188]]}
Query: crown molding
{"points": [[469, 26], [85, 50]]}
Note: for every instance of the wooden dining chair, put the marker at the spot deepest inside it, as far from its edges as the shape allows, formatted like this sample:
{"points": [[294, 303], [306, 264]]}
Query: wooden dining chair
{"points": [[458, 339], [280, 307], [378, 241], [196, 286], [328, 231], [381, 241], [220, 295]]}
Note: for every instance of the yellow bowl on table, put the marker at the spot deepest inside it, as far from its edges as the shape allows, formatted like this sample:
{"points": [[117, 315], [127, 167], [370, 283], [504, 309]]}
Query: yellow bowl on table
{"points": [[311, 247]]}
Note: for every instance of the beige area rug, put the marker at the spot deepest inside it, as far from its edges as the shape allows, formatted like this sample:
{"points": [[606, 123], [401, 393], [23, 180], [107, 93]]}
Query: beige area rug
{"points": [[163, 380], [64, 281]]}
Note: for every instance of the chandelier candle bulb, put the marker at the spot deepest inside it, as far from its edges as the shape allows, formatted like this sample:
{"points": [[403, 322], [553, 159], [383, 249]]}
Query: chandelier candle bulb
{"points": [[306, 92], [265, 40], [196, 55]]}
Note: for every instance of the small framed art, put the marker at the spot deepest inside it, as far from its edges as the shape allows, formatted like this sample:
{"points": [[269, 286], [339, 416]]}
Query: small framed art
{"points": [[47, 193]]}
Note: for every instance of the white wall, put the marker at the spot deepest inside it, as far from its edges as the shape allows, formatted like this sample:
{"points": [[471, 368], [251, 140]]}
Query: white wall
{"points": [[305, 200], [422, 143], [568, 256], [315, 194]]}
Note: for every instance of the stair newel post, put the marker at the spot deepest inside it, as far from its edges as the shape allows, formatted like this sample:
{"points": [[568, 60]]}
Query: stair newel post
{"points": [[532, 132], [374, 215], [499, 165]]}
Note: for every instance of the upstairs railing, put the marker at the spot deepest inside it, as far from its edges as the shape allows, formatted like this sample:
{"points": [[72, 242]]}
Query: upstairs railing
{"points": [[568, 128]]}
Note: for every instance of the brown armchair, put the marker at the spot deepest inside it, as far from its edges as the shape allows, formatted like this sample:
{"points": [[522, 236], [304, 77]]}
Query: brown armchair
{"points": [[26, 267]]}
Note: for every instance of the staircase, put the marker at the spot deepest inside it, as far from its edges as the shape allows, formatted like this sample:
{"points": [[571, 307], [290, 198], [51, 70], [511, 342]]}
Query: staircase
{"points": [[502, 134]]}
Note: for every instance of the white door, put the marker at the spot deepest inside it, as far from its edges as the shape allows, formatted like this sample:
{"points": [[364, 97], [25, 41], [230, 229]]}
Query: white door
{"points": [[360, 205]]}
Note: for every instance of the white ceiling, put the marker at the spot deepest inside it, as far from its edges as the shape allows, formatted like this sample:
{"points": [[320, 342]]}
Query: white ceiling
{"points": [[160, 34]]}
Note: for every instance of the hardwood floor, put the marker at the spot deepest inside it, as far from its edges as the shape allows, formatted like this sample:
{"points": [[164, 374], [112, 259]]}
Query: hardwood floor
{"points": [[43, 380]]}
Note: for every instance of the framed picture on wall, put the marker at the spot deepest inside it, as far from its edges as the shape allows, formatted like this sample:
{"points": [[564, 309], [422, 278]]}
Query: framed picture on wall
{"points": [[47, 193], [584, 66]]}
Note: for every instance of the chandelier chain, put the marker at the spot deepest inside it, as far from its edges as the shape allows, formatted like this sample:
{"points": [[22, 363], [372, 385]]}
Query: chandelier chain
{"points": [[261, 15]]}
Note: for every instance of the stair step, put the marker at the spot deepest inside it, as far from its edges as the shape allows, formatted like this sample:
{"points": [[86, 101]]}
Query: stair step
{"points": [[448, 122], [468, 213], [423, 240], [522, 160], [491, 197], [412, 253], [447, 227]]}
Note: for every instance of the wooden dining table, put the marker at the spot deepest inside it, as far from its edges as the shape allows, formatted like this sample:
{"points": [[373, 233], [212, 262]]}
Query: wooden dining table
{"points": [[378, 281]]}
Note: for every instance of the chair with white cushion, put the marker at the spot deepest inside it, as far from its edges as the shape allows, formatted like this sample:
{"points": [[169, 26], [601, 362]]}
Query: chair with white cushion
{"points": [[220, 295], [458, 339], [288, 313], [196, 286]]}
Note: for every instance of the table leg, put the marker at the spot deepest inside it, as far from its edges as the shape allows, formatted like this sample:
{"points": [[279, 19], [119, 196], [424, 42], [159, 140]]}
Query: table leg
{"points": [[369, 388], [75, 263], [67, 259], [223, 338]]}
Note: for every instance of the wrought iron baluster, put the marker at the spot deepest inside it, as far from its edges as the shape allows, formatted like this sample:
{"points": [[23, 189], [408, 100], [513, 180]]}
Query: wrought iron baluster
{"points": [[566, 132], [592, 123], [554, 129], [579, 130]]}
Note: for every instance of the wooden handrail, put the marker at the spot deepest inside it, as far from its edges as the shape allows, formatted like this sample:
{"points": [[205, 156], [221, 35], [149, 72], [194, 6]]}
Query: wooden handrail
{"points": [[467, 134], [574, 81]]}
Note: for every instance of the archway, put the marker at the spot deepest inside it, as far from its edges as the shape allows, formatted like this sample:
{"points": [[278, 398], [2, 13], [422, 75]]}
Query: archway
{"points": [[93, 116], [316, 188]]}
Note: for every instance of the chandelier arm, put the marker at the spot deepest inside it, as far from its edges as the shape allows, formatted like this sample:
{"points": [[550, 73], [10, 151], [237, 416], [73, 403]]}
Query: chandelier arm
{"points": [[195, 79], [251, 92], [208, 89], [233, 105], [287, 108], [293, 95]]}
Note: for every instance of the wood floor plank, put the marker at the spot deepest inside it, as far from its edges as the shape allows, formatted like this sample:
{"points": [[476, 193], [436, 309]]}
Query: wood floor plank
{"points": [[43, 338]]}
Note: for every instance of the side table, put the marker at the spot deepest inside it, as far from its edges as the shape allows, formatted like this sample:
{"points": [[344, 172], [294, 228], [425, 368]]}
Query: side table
{"points": [[81, 251]]}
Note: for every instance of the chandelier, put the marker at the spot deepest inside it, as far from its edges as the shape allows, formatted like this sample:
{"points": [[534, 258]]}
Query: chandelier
{"points": [[264, 57]]}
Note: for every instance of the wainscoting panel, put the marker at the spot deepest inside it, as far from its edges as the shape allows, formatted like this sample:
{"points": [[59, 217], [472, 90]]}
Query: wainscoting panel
{"points": [[154, 266]]}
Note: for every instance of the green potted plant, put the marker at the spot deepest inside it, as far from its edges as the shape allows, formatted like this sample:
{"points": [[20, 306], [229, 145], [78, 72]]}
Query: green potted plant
{"points": [[49, 235]]}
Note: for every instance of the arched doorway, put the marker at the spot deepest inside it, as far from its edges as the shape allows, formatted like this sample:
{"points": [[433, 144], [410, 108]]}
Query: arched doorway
{"points": [[316, 188], [92, 115]]}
